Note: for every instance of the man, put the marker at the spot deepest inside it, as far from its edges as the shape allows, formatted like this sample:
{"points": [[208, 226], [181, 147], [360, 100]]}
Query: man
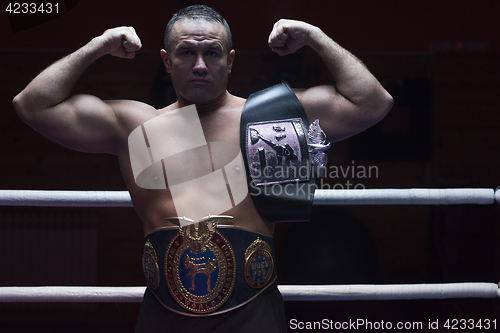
{"points": [[199, 58]]}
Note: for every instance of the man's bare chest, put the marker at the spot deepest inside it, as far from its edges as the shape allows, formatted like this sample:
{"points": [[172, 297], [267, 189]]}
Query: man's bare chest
{"points": [[223, 128]]}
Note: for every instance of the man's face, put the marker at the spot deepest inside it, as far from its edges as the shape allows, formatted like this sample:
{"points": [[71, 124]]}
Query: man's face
{"points": [[197, 60]]}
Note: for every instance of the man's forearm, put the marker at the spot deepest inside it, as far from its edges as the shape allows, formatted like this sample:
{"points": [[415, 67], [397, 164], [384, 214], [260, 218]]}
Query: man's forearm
{"points": [[54, 85], [352, 79]]}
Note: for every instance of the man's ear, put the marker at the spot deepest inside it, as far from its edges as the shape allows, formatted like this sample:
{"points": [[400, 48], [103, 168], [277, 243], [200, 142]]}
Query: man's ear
{"points": [[230, 60], [166, 61]]}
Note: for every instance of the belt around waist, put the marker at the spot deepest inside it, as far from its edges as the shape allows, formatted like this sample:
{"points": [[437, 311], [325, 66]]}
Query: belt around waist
{"points": [[202, 273]]}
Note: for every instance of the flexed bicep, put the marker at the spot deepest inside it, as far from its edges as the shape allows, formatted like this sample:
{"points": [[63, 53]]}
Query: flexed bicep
{"points": [[339, 117], [355, 102], [82, 122]]}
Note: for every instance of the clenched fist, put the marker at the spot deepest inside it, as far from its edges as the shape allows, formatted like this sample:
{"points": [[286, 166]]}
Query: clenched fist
{"points": [[121, 42], [288, 36]]}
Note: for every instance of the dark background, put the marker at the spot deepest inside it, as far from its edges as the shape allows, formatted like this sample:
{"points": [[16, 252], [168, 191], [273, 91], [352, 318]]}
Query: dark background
{"points": [[440, 61]]}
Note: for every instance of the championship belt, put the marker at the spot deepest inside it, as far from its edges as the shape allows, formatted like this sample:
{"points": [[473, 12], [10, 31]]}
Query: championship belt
{"points": [[282, 154], [207, 270]]}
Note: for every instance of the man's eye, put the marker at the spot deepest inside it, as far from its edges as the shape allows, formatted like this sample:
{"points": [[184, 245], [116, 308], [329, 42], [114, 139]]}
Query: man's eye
{"points": [[187, 53], [211, 53]]}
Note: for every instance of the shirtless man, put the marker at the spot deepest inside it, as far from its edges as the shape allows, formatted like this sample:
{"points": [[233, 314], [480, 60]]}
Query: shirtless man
{"points": [[199, 59]]}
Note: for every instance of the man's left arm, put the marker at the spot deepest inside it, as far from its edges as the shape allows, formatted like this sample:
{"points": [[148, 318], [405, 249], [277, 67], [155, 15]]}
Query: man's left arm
{"points": [[356, 101]]}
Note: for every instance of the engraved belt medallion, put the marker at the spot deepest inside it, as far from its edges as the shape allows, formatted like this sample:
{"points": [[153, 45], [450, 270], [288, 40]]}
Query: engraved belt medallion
{"points": [[150, 266], [277, 152], [259, 264], [200, 267]]}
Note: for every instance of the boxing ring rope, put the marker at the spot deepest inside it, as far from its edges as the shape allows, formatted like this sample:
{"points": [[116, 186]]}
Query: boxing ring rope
{"points": [[68, 294], [416, 196], [289, 292]]}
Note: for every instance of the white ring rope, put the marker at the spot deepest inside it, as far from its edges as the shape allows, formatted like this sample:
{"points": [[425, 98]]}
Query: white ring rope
{"points": [[389, 292], [65, 198], [414, 196], [452, 196], [289, 292]]}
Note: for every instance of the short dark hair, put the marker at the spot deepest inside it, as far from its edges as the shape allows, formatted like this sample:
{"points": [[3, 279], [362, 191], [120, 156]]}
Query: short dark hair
{"points": [[198, 12]]}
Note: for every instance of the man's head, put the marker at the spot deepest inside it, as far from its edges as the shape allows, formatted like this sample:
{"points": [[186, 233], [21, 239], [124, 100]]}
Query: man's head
{"points": [[198, 12], [198, 55]]}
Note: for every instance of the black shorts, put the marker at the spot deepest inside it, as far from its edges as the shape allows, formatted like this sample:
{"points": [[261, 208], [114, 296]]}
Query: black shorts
{"points": [[264, 314]]}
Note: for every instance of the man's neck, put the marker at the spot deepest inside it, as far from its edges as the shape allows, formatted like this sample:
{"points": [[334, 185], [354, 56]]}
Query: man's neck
{"points": [[205, 109]]}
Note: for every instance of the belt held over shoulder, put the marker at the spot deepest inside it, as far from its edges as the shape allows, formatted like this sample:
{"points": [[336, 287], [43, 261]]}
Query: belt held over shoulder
{"points": [[282, 153]]}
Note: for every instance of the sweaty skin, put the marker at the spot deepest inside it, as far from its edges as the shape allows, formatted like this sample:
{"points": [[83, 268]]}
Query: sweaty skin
{"points": [[199, 65]]}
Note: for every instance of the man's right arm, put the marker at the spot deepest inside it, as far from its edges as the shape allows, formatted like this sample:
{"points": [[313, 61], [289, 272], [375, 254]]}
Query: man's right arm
{"points": [[80, 122]]}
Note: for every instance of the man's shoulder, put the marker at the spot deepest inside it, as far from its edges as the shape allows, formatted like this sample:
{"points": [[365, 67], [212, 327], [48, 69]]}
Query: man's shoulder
{"points": [[238, 101], [124, 105], [132, 113]]}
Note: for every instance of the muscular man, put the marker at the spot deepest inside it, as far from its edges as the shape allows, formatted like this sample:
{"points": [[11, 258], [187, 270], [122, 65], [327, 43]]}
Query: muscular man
{"points": [[199, 58]]}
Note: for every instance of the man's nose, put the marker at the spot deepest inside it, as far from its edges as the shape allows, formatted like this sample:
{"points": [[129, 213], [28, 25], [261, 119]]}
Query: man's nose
{"points": [[200, 66]]}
